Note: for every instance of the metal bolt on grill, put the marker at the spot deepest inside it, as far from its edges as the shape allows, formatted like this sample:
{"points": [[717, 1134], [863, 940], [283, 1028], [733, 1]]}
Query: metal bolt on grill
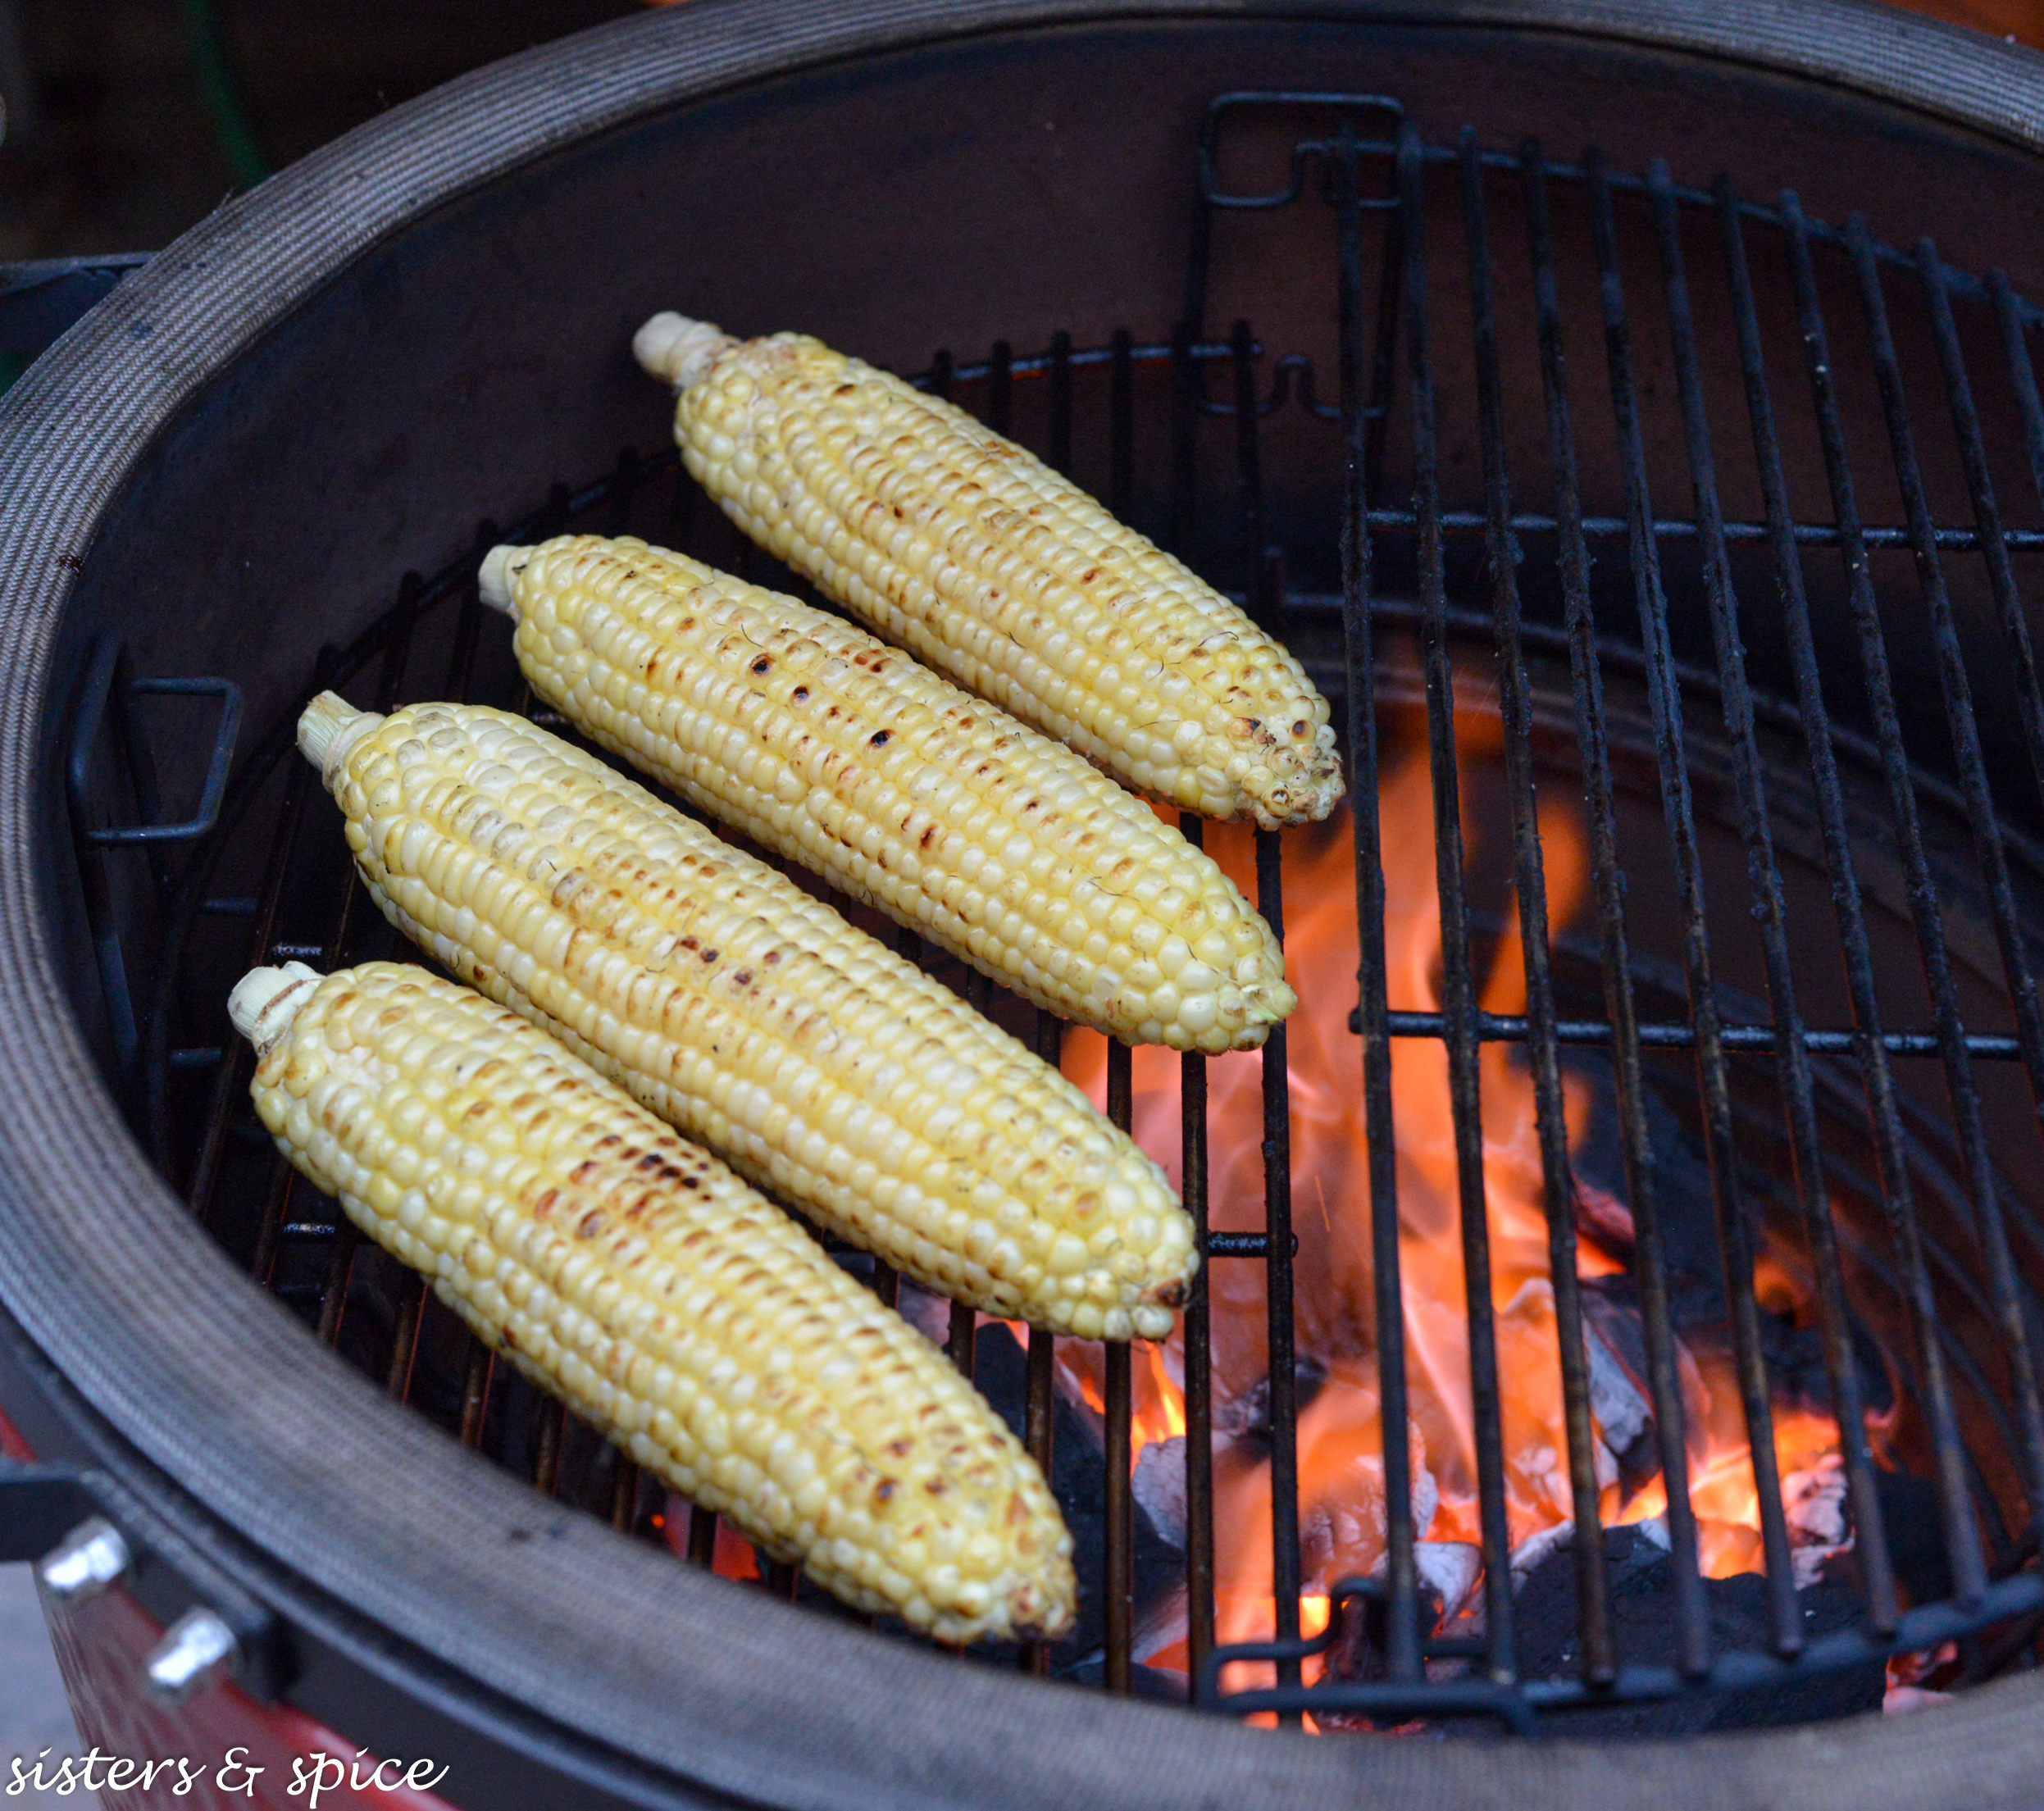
{"points": [[1776, 807]]}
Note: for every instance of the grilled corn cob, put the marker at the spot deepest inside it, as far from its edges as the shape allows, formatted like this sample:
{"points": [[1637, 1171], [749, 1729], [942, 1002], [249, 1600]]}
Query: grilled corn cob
{"points": [[676, 1309], [750, 1015], [833, 749], [989, 566]]}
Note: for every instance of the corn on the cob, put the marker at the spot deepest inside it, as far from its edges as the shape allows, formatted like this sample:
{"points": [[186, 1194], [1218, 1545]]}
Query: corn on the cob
{"points": [[675, 1308], [750, 1015], [986, 564], [834, 750]]}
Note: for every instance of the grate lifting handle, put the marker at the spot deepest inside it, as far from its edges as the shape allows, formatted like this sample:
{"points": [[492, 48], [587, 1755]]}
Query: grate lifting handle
{"points": [[109, 681]]}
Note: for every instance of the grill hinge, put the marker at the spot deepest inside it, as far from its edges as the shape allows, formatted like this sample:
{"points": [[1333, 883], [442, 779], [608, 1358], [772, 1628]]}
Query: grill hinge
{"points": [[86, 1533]]}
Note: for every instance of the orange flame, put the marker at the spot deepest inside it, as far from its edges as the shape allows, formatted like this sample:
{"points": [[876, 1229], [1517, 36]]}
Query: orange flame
{"points": [[1340, 1437]]}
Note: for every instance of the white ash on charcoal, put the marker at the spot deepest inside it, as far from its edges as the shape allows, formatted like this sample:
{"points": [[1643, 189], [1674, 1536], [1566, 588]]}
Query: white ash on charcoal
{"points": [[1159, 1485], [1450, 1571], [1614, 1344], [1814, 1505], [1078, 1478]]}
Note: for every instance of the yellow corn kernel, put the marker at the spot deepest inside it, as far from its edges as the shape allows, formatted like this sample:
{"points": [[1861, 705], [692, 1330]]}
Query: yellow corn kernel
{"points": [[962, 547], [838, 752], [675, 1309], [749, 1016]]}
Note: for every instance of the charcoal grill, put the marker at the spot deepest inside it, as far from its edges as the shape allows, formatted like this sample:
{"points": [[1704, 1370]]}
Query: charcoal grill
{"points": [[1720, 507]]}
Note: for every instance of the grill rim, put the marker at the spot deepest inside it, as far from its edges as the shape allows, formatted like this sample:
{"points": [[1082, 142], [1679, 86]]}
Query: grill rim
{"points": [[74, 429]]}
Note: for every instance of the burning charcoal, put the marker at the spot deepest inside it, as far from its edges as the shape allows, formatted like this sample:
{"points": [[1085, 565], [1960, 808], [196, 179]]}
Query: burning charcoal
{"points": [[1079, 1481], [1603, 1220], [1910, 1512], [1450, 1570], [1246, 1417], [1814, 1502], [1914, 1679], [1615, 1342], [1902, 1698], [1794, 1358], [1681, 1184], [1159, 1484], [929, 1315], [1532, 1553], [1624, 1416], [1643, 1614]]}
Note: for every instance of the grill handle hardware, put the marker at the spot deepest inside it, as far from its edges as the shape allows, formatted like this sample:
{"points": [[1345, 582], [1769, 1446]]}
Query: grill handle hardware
{"points": [[89, 1559], [109, 692], [86, 1534], [196, 1651]]}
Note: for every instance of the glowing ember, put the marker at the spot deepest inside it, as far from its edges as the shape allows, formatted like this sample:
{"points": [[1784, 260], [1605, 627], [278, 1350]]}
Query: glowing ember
{"points": [[1340, 1437]]}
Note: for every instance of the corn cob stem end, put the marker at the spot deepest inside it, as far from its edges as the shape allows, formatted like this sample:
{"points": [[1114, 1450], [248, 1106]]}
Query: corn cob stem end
{"points": [[493, 583], [677, 350], [328, 727], [266, 1001]]}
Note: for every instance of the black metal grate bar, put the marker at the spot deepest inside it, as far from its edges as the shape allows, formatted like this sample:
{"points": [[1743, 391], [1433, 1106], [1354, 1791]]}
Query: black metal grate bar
{"points": [[1961, 284], [2008, 314], [546, 1456], [1198, 1350], [1532, 525], [1058, 452], [959, 1341], [1989, 1226], [477, 1375], [1118, 1583], [1263, 598], [1734, 1229], [231, 1082], [2022, 664], [1402, 1628], [1651, 1262], [1458, 984], [1672, 1034], [1841, 1367], [1961, 1534], [999, 373], [1994, 540], [1599, 1651], [1277, 1277], [702, 1538]]}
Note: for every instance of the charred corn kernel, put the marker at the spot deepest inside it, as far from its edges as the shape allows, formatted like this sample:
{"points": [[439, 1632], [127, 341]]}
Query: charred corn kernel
{"points": [[838, 752], [676, 1309], [986, 563], [750, 1015]]}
